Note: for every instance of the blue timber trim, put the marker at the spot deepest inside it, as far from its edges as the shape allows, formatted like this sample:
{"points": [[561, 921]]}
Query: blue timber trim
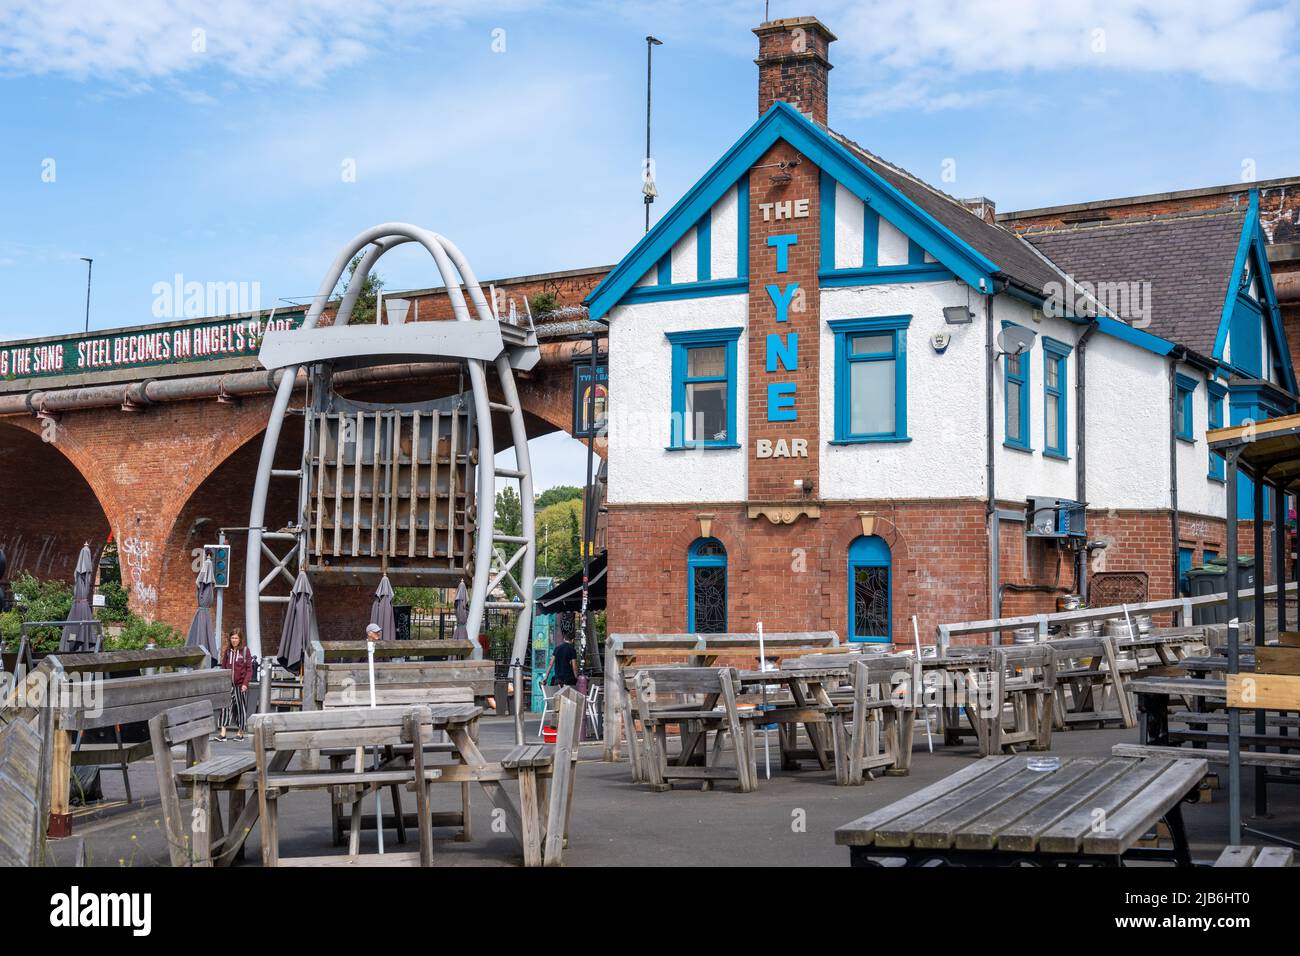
{"points": [[1106, 324], [664, 269], [870, 237], [1185, 387], [846, 329], [682, 342], [827, 212], [1214, 419], [915, 253], [884, 275], [1252, 249], [783, 122], [687, 290], [1055, 351], [704, 248], [742, 230]]}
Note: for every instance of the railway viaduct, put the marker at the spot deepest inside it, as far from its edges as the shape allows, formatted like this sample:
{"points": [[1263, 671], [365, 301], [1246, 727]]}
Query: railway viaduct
{"points": [[158, 446]]}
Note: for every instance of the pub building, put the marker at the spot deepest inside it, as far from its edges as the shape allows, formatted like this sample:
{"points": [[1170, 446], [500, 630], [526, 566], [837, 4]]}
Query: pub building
{"points": [[841, 397]]}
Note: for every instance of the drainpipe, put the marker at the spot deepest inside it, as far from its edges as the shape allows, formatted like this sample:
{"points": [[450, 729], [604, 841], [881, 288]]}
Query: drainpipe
{"points": [[1174, 358], [991, 508], [1081, 444]]}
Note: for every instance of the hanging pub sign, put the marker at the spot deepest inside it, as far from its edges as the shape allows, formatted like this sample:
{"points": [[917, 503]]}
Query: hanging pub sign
{"points": [[582, 396], [142, 346]]}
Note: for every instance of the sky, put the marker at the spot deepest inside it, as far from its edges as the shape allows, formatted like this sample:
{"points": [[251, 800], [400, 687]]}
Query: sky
{"points": [[246, 141]]}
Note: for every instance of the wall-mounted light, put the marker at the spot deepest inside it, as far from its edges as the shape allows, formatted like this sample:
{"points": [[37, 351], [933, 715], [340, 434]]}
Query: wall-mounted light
{"points": [[803, 484], [958, 315]]}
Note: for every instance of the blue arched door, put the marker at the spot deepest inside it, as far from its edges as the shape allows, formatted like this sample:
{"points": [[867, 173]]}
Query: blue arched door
{"points": [[870, 598], [706, 587]]}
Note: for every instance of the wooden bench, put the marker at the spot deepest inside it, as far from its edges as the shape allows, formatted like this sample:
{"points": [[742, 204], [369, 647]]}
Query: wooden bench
{"points": [[655, 690], [335, 670], [1249, 758], [871, 712], [205, 777], [275, 735], [1005, 810], [88, 695], [1272, 856], [388, 695], [25, 747], [1021, 677], [1090, 684], [623, 652]]}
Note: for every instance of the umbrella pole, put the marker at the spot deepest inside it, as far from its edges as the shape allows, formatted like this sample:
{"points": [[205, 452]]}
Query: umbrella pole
{"points": [[379, 791], [767, 728]]}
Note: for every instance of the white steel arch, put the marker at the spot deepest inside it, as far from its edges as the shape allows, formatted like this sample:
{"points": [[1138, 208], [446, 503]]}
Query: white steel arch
{"points": [[457, 277]]}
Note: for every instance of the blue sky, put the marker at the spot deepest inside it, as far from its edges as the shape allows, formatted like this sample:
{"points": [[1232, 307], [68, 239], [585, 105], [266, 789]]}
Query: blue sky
{"points": [[224, 163]]}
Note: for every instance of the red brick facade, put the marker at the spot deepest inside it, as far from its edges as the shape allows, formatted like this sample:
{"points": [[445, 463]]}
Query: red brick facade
{"points": [[772, 478]]}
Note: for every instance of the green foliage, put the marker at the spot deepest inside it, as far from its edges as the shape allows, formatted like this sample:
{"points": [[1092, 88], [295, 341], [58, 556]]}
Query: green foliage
{"points": [[553, 496], [115, 610], [559, 551], [425, 598], [138, 632], [11, 628], [110, 566], [38, 600], [364, 312], [509, 518], [543, 302]]}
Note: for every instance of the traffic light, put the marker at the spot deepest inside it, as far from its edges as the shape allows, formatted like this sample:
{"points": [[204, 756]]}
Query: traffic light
{"points": [[220, 555]]}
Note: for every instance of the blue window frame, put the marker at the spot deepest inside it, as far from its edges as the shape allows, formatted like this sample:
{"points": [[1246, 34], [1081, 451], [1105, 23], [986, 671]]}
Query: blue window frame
{"points": [[871, 379], [1214, 419], [1184, 565], [1015, 400], [1184, 420], [704, 388], [1056, 378], [706, 587], [870, 590]]}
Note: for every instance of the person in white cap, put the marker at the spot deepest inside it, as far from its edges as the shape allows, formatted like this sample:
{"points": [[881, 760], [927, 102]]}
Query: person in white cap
{"points": [[373, 632]]}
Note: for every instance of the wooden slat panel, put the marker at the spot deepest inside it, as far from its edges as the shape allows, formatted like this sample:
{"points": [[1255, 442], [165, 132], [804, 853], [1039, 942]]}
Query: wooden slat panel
{"points": [[1066, 834], [412, 532], [1022, 835], [982, 833], [899, 832], [360, 426], [1124, 827], [1263, 691], [862, 831], [451, 490]]}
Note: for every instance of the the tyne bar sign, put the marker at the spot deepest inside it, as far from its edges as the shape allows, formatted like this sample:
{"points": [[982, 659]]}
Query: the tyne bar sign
{"points": [[142, 347]]}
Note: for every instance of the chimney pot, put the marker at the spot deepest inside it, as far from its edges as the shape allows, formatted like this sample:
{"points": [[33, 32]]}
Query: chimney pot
{"points": [[793, 65]]}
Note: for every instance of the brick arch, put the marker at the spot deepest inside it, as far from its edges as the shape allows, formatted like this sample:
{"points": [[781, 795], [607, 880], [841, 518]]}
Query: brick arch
{"points": [[53, 503], [903, 580]]}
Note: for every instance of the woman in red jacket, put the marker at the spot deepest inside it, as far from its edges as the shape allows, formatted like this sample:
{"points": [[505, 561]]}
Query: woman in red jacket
{"points": [[236, 658]]}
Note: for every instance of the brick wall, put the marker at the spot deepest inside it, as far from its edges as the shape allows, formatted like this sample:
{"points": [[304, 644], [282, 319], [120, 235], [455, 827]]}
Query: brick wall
{"points": [[795, 577], [773, 478]]}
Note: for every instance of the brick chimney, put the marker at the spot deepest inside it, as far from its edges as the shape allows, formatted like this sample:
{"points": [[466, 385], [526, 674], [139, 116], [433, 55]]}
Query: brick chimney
{"points": [[793, 65]]}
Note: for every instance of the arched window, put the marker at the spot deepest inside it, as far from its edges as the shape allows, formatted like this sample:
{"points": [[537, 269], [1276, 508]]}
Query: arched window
{"points": [[870, 605], [706, 587]]}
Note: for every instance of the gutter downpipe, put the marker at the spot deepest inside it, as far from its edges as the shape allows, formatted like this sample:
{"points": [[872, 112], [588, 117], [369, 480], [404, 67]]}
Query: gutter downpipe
{"points": [[991, 507], [1175, 357], [1081, 435]]}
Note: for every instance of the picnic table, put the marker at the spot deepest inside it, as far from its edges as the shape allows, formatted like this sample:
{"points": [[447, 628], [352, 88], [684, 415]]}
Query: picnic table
{"points": [[986, 681], [1001, 811]]}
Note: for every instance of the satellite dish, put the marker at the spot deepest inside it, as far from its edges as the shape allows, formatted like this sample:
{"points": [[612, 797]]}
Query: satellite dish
{"points": [[1015, 340]]}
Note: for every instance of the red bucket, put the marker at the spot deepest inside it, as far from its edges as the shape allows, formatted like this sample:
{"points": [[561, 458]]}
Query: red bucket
{"points": [[548, 735]]}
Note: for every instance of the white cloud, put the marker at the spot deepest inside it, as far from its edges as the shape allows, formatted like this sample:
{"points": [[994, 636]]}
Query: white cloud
{"points": [[943, 50], [134, 42]]}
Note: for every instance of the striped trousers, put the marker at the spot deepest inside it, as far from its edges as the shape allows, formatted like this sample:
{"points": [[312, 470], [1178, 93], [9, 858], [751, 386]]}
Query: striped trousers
{"points": [[236, 715]]}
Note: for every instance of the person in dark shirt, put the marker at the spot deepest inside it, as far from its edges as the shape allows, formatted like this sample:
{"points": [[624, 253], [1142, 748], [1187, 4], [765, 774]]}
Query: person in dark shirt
{"points": [[564, 664]]}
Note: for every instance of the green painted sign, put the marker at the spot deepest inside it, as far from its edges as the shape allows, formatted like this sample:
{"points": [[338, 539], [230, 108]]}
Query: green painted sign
{"points": [[142, 347]]}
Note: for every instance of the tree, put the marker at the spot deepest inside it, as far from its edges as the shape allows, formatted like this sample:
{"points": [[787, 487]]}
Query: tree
{"points": [[509, 518], [553, 496], [364, 312]]}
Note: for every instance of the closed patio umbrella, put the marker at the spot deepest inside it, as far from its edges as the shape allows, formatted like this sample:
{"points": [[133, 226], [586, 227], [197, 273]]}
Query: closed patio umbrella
{"points": [[297, 623], [381, 610], [77, 634], [201, 633], [462, 613]]}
